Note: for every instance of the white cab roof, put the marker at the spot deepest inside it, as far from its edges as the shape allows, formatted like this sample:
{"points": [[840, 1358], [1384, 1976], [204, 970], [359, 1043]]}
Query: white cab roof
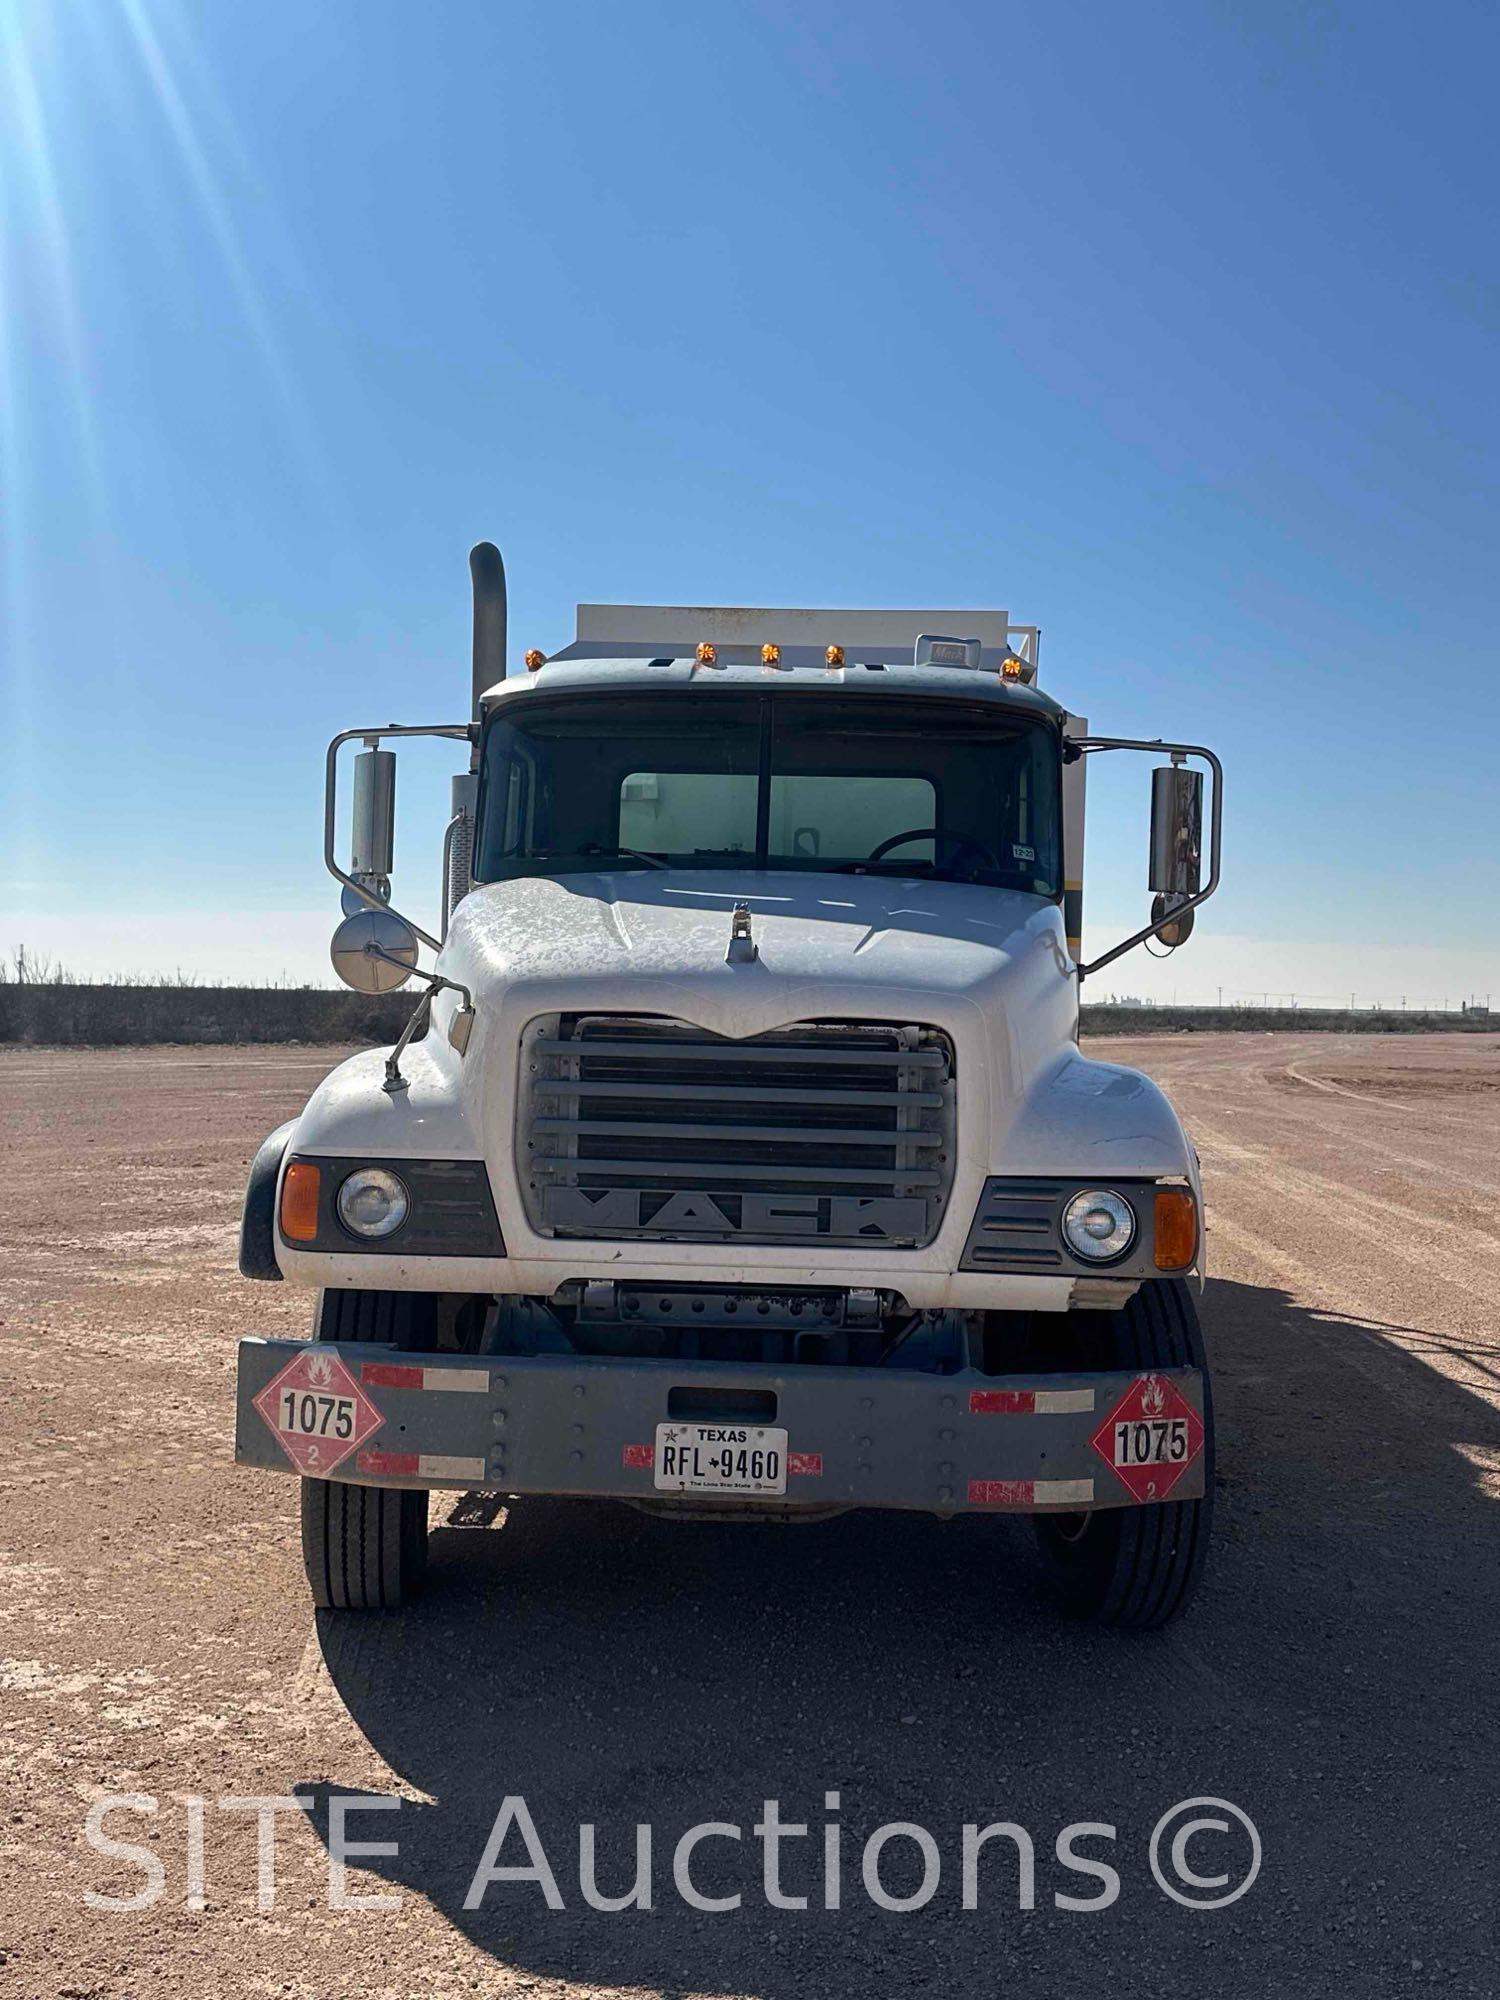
{"points": [[643, 672]]}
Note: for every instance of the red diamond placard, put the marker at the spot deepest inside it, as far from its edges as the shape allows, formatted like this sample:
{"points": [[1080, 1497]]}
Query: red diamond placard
{"points": [[318, 1412], [1150, 1437]]}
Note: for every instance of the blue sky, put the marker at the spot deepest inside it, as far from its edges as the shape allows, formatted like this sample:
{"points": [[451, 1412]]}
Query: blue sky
{"points": [[1170, 328]]}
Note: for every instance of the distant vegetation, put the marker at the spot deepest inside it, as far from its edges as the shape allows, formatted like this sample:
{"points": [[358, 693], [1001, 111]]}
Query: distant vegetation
{"points": [[30, 968], [41, 1003], [35, 968], [1132, 1019]]}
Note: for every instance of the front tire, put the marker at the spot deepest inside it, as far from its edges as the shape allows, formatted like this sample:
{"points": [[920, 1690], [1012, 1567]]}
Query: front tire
{"points": [[1137, 1567], [364, 1548]]}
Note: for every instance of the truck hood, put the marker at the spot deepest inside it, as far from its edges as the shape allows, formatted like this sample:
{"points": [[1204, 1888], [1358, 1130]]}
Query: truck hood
{"points": [[988, 967], [657, 941]]}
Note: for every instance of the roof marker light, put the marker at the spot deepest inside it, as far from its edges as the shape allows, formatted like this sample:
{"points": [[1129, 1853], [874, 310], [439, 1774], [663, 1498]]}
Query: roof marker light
{"points": [[834, 656], [1010, 668], [706, 654], [535, 658], [770, 656]]}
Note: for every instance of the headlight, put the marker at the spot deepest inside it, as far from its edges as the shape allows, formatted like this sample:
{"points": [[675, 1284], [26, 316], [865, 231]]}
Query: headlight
{"points": [[373, 1202], [1098, 1224]]}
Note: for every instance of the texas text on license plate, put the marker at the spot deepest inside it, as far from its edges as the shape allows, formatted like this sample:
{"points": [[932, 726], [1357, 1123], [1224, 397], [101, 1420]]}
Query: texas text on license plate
{"points": [[720, 1458]]}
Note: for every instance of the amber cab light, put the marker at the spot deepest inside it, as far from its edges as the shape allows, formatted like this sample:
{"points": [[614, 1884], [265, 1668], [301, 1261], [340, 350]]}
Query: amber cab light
{"points": [[535, 658], [299, 1202], [1176, 1229]]}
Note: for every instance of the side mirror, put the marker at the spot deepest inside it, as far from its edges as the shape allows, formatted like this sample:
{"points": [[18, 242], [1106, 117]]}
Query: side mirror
{"points": [[1176, 846], [1176, 837], [374, 843], [374, 951]]}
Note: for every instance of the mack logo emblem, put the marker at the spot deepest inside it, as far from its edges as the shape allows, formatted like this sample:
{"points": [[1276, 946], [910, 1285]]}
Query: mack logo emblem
{"points": [[685, 1212]]}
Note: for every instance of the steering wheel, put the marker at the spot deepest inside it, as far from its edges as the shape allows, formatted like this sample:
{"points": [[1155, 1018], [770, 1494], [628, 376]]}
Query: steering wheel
{"points": [[957, 841]]}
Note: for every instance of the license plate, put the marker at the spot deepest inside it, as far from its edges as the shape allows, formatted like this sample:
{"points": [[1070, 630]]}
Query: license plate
{"points": [[720, 1458]]}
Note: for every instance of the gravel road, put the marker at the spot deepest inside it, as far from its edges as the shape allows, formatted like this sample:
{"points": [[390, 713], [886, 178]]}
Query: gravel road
{"points": [[1336, 1680]]}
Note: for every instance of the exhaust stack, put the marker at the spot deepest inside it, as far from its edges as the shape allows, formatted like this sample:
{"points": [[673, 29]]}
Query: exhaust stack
{"points": [[488, 572]]}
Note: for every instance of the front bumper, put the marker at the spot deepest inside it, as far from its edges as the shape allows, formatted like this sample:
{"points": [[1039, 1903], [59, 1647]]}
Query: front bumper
{"points": [[856, 1437]]}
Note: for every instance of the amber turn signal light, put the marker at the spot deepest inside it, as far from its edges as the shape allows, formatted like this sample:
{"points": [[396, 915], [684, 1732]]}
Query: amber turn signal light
{"points": [[1176, 1229], [535, 658], [299, 1202], [834, 656], [705, 654], [770, 656]]}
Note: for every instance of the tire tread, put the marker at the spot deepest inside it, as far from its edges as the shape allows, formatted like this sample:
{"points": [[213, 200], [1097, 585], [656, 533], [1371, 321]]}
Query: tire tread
{"points": [[1147, 1561], [364, 1548]]}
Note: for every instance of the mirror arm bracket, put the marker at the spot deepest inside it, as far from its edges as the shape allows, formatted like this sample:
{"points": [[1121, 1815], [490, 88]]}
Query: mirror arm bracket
{"points": [[1179, 753], [458, 1035], [436, 983], [394, 1080]]}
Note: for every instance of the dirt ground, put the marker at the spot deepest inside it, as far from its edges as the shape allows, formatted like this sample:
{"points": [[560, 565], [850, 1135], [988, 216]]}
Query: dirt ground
{"points": [[1336, 1680]]}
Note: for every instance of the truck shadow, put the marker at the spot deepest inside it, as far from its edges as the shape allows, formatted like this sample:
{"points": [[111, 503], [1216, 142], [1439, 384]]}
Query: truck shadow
{"points": [[614, 1669]]}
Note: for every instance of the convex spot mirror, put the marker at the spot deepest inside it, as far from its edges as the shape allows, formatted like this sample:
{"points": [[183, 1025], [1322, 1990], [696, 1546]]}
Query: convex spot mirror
{"points": [[364, 947], [1179, 930]]}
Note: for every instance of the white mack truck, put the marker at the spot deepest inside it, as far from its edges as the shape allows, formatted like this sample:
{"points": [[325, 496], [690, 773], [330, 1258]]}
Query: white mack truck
{"points": [[739, 1159]]}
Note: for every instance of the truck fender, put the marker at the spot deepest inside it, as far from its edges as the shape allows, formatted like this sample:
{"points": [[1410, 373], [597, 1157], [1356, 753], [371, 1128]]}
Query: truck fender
{"points": [[258, 1218], [1087, 1117]]}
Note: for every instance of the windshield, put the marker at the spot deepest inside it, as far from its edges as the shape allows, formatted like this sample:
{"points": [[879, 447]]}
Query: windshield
{"points": [[897, 785]]}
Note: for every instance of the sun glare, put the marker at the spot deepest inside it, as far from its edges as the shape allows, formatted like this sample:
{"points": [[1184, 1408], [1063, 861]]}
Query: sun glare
{"points": [[61, 66]]}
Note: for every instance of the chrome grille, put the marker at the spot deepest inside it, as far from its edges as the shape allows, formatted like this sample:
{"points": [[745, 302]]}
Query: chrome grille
{"points": [[834, 1132]]}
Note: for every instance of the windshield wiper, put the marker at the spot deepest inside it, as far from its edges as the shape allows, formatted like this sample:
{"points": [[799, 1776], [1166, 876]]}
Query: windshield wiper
{"points": [[884, 867], [590, 847], [632, 853]]}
